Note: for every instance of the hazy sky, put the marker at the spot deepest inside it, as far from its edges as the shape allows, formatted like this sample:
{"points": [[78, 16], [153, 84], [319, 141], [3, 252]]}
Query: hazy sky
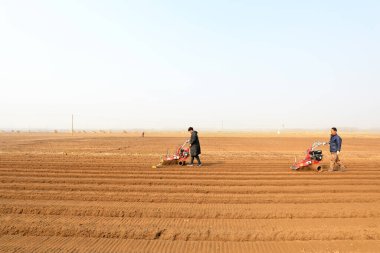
{"points": [[171, 64]]}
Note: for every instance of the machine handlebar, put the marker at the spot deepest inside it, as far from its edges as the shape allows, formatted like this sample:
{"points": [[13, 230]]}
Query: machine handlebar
{"points": [[317, 144]]}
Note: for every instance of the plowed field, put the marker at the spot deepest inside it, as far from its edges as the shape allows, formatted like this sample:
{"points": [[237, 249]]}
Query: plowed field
{"points": [[99, 193]]}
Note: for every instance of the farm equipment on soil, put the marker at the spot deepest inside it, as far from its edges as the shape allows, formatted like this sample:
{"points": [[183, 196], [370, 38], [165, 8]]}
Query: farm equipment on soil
{"points": [[179, 157], [312, 159]]}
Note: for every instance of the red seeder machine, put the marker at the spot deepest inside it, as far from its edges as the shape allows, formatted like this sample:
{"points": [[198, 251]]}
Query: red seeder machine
{"points": [[179, 157], [312, 160]]}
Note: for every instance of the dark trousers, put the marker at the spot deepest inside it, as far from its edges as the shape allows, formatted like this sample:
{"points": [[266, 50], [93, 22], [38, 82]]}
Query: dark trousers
{"points": [[196, 157]]}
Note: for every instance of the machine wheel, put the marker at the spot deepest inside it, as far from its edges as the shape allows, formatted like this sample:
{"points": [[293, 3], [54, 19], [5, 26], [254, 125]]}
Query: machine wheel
{"points": [[317, 167], [181, 163]]}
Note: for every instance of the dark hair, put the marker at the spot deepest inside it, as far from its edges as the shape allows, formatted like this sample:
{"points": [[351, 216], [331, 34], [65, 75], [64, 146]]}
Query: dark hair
{"points": [[190, 129], [334, 128]]}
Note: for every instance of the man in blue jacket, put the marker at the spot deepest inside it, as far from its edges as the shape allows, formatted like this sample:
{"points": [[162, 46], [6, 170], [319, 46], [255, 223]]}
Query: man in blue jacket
{"points": [[335, 147]]}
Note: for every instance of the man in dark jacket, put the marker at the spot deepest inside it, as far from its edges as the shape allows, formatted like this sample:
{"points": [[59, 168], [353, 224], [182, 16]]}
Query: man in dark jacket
{"points": [[335, 147], [195, 147]]}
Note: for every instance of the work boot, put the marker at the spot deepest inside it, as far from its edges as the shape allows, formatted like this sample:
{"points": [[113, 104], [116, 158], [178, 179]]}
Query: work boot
{"points": [[200, 165]]}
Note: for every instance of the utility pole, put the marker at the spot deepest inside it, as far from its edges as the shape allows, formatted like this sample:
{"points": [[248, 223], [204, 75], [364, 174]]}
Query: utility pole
{"points": [[72, 124]]}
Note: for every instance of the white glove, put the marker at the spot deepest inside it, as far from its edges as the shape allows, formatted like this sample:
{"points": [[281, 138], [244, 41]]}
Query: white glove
{"points": [[337, 152]]}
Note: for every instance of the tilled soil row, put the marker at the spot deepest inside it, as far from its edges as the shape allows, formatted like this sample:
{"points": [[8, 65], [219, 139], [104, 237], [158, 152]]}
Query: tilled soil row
{"points": [[192, 197], [202, 211]]}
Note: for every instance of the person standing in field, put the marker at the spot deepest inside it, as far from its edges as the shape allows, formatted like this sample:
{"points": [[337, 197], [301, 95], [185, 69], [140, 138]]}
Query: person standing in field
{"points": [[335, 148], [195, 147]]}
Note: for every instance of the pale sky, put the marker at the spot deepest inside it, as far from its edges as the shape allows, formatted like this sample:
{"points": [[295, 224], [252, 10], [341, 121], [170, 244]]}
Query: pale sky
{"points": [[172, 64]]}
